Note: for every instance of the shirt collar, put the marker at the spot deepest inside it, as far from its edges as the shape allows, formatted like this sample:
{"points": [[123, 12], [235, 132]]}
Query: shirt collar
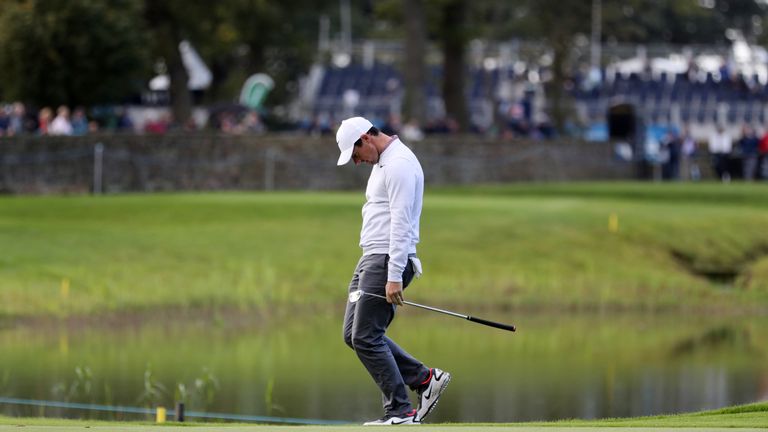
{"points": [[393, 142]]}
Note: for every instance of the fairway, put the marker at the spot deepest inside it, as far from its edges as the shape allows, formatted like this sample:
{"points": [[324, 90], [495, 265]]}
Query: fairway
{"points": [[751, 417], [577, 247], [451, 428]]}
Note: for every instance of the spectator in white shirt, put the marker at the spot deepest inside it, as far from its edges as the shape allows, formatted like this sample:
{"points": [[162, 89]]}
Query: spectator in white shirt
{"points": [[61, 124], [720, 146]]}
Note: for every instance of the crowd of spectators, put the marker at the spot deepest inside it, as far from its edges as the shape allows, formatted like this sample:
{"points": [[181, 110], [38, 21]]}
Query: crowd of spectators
{"points": [[743, 155], [16, 119]]}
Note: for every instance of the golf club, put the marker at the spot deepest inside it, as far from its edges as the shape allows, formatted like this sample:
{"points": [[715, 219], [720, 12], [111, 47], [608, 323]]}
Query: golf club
{"points": [[354, 296]]}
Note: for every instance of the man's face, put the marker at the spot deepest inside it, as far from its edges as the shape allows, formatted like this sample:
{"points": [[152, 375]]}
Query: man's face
{"points": [[366, 153]]}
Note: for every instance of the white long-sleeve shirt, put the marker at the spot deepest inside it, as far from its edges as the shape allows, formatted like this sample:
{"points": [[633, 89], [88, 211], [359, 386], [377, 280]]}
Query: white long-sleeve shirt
{"points": [[60, 126], [720, 142], [393, 207]]}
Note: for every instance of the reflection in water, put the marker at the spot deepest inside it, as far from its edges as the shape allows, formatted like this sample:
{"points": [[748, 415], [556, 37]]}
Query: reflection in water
{"points": [[716, 338], [554, 367]]}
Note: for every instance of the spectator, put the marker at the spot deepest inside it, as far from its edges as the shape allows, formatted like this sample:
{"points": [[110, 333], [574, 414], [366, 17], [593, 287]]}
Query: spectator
{"points": [[190, 125], [79, 122], [690, 166], [412, 131], [251, 124], [720, 146], [16, 120], [748, 145], [44, 121], [61, 124], [324, 123], [763, 157], [227, 122], [123, 121], [725, 72], [159, 125], [305, 124], [392, 125], [670, 145], [4, 121], [547, 129], [437, 126], [453, 125]]}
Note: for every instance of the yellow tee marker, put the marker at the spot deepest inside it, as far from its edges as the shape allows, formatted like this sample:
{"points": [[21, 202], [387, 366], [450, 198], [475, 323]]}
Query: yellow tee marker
{"points": [[613, 223], [64, 289], [160, 417]]}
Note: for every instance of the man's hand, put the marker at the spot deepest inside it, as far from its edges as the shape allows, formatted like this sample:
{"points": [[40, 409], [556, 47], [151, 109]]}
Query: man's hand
{"points": [[395, 293]]}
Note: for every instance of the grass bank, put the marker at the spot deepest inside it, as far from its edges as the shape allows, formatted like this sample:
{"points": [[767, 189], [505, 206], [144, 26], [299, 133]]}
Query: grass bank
{"points": [[753, 416], [577, 247]]}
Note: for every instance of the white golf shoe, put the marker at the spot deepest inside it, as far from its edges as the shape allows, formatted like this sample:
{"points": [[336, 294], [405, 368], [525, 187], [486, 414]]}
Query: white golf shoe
{"points": [[401, 420], [430, 394]]}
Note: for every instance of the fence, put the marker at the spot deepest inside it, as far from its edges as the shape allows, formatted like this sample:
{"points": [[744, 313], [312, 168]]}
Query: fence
{"points": [[147, 163]]}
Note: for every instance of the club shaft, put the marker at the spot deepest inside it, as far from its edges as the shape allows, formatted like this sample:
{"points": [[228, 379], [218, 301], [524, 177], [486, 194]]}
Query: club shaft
{"points": [[434, 309], [454, 314]]}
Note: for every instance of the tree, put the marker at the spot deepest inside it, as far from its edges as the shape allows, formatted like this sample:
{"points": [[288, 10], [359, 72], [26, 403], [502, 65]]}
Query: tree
{"points": [[562, 22], [238, 38], [78, 52], [454, 36], [169, 23], [679, 22], [441, 21], [415, 62], [556, 23]]}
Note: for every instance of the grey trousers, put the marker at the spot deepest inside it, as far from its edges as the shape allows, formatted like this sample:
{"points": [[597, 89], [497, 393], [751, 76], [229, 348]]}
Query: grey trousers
{"points": [[365, 323]]}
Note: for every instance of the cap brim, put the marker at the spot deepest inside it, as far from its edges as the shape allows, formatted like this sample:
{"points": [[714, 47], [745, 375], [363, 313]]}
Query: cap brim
{"points": [[345, 156]]}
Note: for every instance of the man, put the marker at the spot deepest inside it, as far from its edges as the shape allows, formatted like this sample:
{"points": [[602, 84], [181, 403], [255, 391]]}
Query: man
{"points": [[388, 239], [748, 145], [61, 124], [720, 146]]}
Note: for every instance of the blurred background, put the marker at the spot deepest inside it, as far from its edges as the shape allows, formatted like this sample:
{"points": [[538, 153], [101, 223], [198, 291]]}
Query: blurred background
{"points": [[594, 175], [675, 89]]}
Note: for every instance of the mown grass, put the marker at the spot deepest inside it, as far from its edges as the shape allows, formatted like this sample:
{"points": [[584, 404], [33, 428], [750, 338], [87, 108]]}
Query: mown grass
{"points": [[744, 416], [527, 246]]}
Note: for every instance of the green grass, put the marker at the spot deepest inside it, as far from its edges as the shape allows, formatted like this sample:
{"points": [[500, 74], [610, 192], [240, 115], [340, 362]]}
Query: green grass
{"points": [[744, 416], [747, 416], [520, 246]]}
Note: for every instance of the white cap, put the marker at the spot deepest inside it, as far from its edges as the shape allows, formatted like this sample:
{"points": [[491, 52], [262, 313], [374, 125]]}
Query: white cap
{"points": [[350, 131]]}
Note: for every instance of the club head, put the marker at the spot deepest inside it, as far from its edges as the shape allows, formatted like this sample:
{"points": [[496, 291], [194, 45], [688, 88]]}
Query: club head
{"points": [[355, 296]]}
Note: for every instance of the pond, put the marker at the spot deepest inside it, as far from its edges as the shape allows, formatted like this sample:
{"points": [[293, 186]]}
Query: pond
{"points": [[295, 364]]}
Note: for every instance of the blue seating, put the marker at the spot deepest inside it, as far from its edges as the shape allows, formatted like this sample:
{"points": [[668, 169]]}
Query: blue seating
{"points": [[697, 100]]}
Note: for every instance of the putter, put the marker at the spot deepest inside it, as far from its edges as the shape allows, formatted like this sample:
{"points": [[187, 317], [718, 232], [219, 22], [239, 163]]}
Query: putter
{"points": [[354, 296]]}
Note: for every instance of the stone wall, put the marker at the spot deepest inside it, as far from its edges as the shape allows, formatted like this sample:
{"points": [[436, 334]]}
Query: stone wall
{"points": [[133, 163]]}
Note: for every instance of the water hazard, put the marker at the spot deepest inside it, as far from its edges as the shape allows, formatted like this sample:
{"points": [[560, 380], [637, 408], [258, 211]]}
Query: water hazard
{"points": [[556, 366]]}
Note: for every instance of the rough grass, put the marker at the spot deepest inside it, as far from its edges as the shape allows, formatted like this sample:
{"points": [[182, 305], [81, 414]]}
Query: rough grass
{"points": [[678, 246], [752, 416]]}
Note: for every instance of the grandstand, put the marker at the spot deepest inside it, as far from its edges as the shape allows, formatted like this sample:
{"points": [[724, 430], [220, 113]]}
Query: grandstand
{"points": [[678, 89]]}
